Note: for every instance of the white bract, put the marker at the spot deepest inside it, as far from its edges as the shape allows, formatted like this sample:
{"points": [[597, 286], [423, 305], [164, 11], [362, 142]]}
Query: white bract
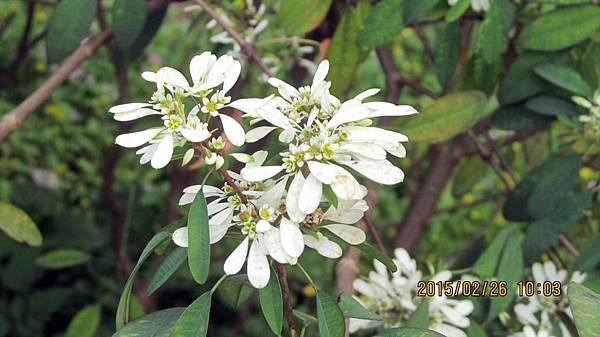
{"points": [[477, 5], [541, 313], [395, 299], [169, 102], [325, 137]]}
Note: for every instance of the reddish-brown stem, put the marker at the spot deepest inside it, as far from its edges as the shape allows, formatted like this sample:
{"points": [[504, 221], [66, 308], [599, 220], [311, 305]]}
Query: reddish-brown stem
{"points": [[287, 301]]}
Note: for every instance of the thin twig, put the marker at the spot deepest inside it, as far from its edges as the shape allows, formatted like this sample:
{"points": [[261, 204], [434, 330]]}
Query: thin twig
{"points": [[567, 243], [287, 301], [503, 162], [484, 153], [373, 232], [247, 48], [425, 42]]}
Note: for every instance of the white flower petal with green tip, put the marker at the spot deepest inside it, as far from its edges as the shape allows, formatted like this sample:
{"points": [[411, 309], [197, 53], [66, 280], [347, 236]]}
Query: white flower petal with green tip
{"points": [[286, 91], [323, 246], [381, 171], [286, 136], [258, 266], [350, 111], [292, 198], [310, 195], [164, 152], [236, 259], [136, 139], [180, 237], [259, 158], [243, 157], [379, 109], [352, 235], [259, 173], [258, 133], [367, 93], [291, 238], [233, 130]]}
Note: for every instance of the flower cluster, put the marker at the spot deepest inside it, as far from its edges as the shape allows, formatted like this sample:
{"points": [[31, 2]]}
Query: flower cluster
{"points": [[591, 121], [477, 5], [540, 315], [304, 200], [395, 299]]}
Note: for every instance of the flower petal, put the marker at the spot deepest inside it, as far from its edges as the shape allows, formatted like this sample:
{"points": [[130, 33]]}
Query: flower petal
{"points": [[367, 93], [233, 130], [291, 238], [323, 246], [292, 198], [323, 172], [231, 76], [379, 109], [320, 74], [164, 152], [195, 135], [259, 173], [136, 139], [381, 171], [350, 111], [249, 106], [200, 66], [285, 90], [258, 266], [258, 133], [352, 235], [180, 237], [236, 259], [310, 195]]}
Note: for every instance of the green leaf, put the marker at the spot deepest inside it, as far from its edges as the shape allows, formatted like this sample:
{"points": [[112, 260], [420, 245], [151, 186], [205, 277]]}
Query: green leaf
{"points": [[235, 291], [457, 10], [561, 28], [85, 322], [590, 256], [62, 258], [151, 27], [487, 264], [297, 17], [520, 81], [375, 253], [129, 18], [469, 171], [518, 118], [69, 24], [199, 239], [419, 318], [156, 324], [447, 52], [331, 319], [193, 322], [351, 308], [491, 34], [18, 225], [307, 320], [585, 305], [542, 190], [167, 268], [383, 24], [475, 330], [564, 77], [122, 316], [330, 195], [271, 304], [344, 54], [446, 117], [408, 332], [548, 105], [413, 11], [510, 269]]}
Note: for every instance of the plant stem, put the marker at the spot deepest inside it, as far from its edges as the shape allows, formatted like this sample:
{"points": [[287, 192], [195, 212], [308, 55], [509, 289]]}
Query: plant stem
{"points": [[307, 275], [287, 302], [214, 288]]}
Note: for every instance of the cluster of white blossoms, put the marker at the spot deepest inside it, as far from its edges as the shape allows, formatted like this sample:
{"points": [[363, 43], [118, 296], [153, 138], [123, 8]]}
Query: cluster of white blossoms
{"points": [[395, 299], [477, 5], [540, 315], [592, 119], [276, 210]]}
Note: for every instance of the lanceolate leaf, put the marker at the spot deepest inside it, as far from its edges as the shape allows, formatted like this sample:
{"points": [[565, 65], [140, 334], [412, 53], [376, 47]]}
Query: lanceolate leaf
{"points": [[510, 269], [124, 302], [457, 10], [383, 24], [193, 322], [300, 16], [564, 77], [167, 268], [590, 256], [585, 305], [18, 225], [375, 253], [487, 264], [408, 332], [351, 308], [129, 17], [448, 51], [151, 26], [199, 239], [331, 319], [69, 24], [62, 258], [519, 118], [520, 81], [542, 190], [491, 38], [419, 318], [561, 28], [271, 304], [235, 292], [85, 322], [548, 105], [446, 117], [156, 324], [415, 10]]}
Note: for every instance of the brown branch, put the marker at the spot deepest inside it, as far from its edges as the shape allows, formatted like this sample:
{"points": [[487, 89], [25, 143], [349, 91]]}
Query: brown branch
{"points": [[425, 42], [287, 301], [247, 48], [485, 154]]}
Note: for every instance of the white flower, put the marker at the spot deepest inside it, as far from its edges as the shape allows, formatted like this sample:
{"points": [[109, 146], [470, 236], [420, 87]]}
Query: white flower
{"points": [[324, 136], [395, 299], [477, 5]]}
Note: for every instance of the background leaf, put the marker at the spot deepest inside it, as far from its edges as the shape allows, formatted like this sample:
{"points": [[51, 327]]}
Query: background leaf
{"points": [[351, 308], [167, 268], [297, 17], [62, 258], [68, 25], [564, 77], [193, 322], [271, 304], [585, 305], [408, 332], [382, 25], [376, 254], [85, 322], [199, 239], [331, 319], [156, 324], [18, 225], [129, 18], [491, 37]]}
